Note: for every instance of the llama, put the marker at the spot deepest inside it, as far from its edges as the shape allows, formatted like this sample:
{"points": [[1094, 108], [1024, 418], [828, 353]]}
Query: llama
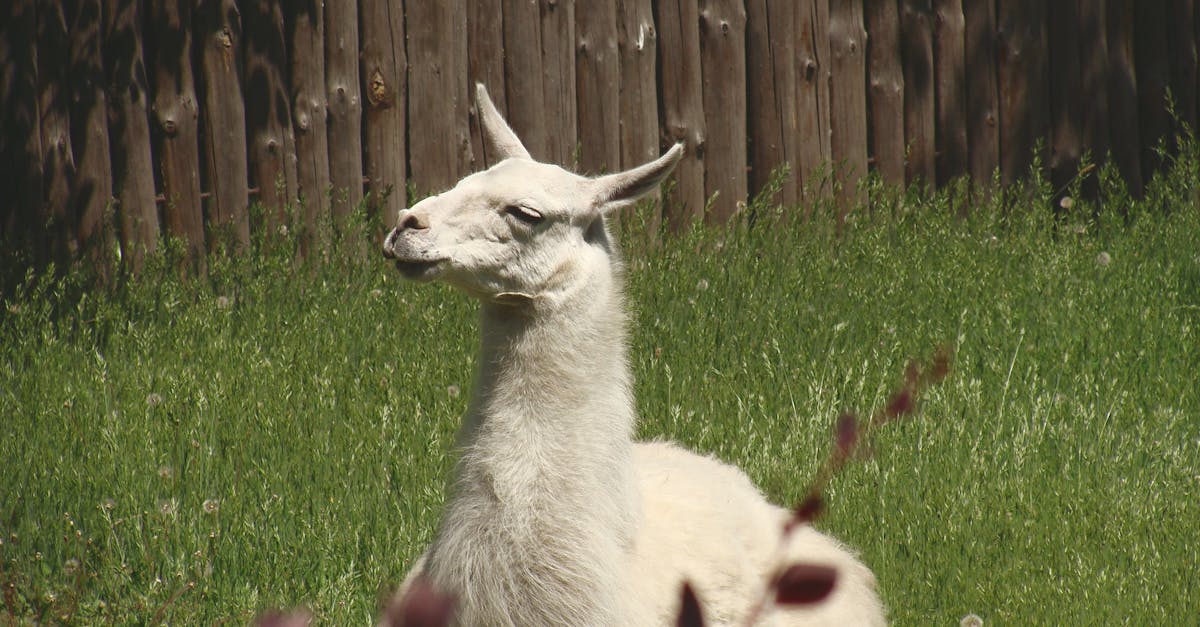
{"points": [[557, 517]]}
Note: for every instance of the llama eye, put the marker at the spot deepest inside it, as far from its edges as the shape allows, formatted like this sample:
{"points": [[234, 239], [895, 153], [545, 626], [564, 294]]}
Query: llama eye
{"points": [[524, 214]]}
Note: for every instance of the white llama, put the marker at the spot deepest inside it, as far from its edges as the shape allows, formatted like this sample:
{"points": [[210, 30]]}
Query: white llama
{"points": [[556, 516]]}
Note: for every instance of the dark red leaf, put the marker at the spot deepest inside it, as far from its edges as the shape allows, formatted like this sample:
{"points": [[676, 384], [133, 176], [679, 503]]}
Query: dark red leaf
{"points": [[940, 367], [808, 509], [901, 403], [804, 584], [689, 609], [422, 606], [847, 436]]}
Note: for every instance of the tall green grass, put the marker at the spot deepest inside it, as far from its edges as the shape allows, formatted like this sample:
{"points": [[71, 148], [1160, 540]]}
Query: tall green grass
{"points": [[279, 434]]}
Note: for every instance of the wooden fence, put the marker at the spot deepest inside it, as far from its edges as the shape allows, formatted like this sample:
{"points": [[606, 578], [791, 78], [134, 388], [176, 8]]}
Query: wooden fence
{"points": [[121, 120]]}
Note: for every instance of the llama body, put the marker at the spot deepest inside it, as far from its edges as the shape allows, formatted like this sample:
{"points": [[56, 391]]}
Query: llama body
{"points": [[557, 517]]}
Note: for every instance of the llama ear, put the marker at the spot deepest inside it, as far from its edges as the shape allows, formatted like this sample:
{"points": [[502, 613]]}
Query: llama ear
{"points": [[503, 138], [620, 189]]}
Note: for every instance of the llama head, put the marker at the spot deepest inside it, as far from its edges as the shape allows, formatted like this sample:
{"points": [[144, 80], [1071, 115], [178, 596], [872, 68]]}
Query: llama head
{"points": [[520, 230]]}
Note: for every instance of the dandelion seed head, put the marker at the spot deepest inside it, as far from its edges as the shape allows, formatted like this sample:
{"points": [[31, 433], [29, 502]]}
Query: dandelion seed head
{"points": [[971, 620], [211, 506], [166, 472], [224, 302], [153, 399], [167, 507], [1103, 259], [454, 391], [71, 566]]}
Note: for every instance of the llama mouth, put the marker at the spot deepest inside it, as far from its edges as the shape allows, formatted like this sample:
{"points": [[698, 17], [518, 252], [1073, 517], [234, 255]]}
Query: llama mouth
{"points": [[417, 269]]}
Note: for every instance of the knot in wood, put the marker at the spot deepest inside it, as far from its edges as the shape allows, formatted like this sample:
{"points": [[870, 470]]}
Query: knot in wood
{"points": [[272, 146], [170, 127], [724, 27], [810, 69], [225, 38], [377, 93]]}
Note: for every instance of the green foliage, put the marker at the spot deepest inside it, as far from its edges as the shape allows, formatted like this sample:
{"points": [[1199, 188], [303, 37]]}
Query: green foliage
{"points": [[279, 433]]}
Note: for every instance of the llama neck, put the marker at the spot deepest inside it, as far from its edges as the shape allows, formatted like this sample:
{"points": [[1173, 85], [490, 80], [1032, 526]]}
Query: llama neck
{"points": [[552, 412]]}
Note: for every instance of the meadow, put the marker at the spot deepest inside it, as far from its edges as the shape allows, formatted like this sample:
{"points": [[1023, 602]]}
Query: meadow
{"points": [[279, 434]]}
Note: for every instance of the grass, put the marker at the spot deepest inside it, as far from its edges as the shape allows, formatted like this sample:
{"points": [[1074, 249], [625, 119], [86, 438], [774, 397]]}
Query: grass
{"points": [[280, 435]]}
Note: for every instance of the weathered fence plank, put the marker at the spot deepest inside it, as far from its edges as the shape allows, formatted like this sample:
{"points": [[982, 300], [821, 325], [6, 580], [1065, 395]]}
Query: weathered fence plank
{"points": [[129, 133], [344, 97], [92, 188], [1093, 77], [223, 113], [920, 107], [949, 55], [437, 94], [176, 125], [58, 163], [1123, 95], [848, 97], [682, 105], [20, 142], [637, 43], [306, 39], [559, 83], [1022, 80], [597, 84], [813, 149], [885, 101], [723, 68], [1153, 76], [773, 126], [485, 64], [1066, 138], [524, 89], [269, 134], [1181, 40], [384, 67], [983, 117]]}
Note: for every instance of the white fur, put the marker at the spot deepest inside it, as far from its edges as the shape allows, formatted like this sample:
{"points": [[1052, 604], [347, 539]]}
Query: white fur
{"points": [[557, 517]]}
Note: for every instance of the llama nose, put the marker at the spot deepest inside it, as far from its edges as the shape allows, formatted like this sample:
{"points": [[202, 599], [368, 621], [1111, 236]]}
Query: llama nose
{"points": [[412, 220]]}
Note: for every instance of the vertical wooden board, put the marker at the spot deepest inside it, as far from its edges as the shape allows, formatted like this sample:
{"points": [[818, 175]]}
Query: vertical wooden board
{"points": [[1124, 129], [885, 96], [812, 87], [983, 117], [175, 123], [1021, 68], [345, 106], [1093, 78], [597, 84], [129, 133], [772, 110], [58, 163], [949, 57], [91, 197], [682, 105], [485, 64], [920, 107], [1181, 40], [440, 141], [1153, 76], [306, 50], [723, 68], [558, 67], [524, 92], [270, 138], [637, 43], [219, 31], [848, 97], [384, 82], [20, 144], [1066, 88]]}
